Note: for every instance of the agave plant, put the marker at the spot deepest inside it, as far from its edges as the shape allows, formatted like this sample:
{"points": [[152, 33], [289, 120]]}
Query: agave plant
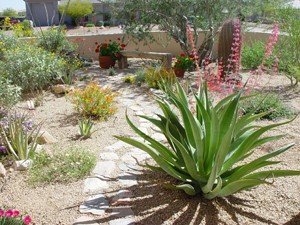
{"points": [[206, 148], [20, 136], [85, 128]]}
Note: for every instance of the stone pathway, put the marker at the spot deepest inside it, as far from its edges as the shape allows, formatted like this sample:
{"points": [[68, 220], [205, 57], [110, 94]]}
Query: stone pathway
{"points": [[117, 169]]}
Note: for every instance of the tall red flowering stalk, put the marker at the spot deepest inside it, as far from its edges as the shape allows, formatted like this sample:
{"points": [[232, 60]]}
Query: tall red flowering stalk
{"points": [[194, 52]]}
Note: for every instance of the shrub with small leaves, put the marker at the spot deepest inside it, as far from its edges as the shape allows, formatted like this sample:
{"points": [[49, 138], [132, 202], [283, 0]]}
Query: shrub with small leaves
{"points": [[268, 102], [140, 77], [94, 102], [111, 72], [63, 166], [9, 94]]}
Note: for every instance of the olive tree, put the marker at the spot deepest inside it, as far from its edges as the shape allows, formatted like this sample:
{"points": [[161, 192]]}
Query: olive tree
{"points": [[141, 16], [76, 9], [10, 12]]}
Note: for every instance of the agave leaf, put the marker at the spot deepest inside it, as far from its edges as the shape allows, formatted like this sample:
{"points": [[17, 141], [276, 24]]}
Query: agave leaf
{"points": [[187, 188], [163, 163], [239, 185], [216, 190], [190, 164], [272, 174], [247, 144]]}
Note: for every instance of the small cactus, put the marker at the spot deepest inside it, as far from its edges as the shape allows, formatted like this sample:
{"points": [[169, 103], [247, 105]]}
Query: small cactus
{"points": [[229, 47]]}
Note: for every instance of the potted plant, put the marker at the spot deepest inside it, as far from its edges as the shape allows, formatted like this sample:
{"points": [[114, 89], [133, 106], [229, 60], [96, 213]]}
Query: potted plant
{"points": [[109, 53], [183, 62]]}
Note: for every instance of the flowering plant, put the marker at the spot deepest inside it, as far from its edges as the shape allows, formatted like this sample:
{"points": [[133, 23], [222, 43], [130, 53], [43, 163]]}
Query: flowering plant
{"points": [[13, 217], [184, 62], [112, 48]]}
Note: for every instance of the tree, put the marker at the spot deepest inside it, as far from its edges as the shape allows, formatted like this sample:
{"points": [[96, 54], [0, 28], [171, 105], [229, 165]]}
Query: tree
{"points": [[76, 9], [140, 16], [10, 12]]}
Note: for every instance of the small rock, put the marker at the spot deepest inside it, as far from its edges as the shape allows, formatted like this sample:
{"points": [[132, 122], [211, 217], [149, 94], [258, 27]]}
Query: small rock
{"points": [[96, 205], [46, 138], [105, 168], [2, 170], [95, 184], [59, 89], [30, 105], [109, 156], [22, 165]]}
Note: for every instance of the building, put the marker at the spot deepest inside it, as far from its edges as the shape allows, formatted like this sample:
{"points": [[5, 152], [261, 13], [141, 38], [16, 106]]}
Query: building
{"points": [[42, 12]]}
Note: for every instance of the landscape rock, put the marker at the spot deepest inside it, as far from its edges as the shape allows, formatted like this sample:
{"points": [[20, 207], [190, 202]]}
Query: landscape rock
{"points": [[46, 138], [96, 205], [22, 165], [60, 89], [2, 170], [85, 220]]}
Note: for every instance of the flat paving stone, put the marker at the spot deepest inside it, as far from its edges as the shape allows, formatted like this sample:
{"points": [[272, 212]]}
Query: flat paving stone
{"points": [[95, 184], [122, 221], [116, 146], [122, 212], [96, 204], [85, 220], [105, 168], [109, 156], [127, 180]]}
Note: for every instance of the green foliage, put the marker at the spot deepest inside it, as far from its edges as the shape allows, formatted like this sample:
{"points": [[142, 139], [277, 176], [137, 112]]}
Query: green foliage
{"points": [[62, 167], [140, 77], [184, 62], [289, 45], [111, 72], [157, 75], [9, 94], [10, 12], [206, 149], [21, 142], [55, 40], [23, 29], [129, 79], [252, 55], [90, 25], [85, 128], [76, 9], [31, 68], [266, 103]]}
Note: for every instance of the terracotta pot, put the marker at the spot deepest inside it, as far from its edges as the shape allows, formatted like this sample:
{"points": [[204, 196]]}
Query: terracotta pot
{"points": [[179, 72], [106, 62]]}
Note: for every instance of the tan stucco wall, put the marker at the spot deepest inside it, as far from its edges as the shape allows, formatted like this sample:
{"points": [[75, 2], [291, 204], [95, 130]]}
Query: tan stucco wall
{"points": [[86, 43]]}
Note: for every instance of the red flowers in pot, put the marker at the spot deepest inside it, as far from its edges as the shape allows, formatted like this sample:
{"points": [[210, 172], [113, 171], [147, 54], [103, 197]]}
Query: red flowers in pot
{"points": [[183, 62], [109, 53]]}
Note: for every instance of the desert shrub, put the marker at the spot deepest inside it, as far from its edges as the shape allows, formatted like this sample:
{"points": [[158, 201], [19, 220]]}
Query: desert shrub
{"points": [[140, 77], [266, 103], [208, 144], [90, 25], [31, 68], [111, 72], [23, 29], [63, 166], [154, 76], [54, 40], [9, 94], [94, 101], [252, 55], [129, 79], [7, 43]]}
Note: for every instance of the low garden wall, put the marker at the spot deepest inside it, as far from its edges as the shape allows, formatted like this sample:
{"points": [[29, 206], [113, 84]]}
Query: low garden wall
{"points": [[86, 43]]}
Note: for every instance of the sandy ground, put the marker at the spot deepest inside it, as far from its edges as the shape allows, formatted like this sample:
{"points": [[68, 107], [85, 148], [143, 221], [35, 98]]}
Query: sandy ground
{"points": [[152, 204]]}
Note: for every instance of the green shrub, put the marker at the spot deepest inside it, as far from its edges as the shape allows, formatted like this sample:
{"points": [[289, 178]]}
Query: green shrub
{"points": [[266, 103], [66, 166], [9, 94], [7, 43], [154, 76], [100, 23], [31, 68], [140, 77], [206, 149], [54, 40], [252, 55], [90, 25]]}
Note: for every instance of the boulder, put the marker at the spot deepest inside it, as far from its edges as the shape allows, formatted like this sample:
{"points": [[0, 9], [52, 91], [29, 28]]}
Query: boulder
{"points": [[60, 89], [46, 138], [2, 170]]}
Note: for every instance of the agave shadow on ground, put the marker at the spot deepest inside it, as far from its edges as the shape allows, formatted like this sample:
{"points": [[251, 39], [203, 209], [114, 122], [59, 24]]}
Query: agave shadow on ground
{"points": [[154, 204]]}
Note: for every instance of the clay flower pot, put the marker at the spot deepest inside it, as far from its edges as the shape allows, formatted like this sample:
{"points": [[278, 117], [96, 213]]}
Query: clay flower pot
{"points": [[106, 62], [179, 72]]}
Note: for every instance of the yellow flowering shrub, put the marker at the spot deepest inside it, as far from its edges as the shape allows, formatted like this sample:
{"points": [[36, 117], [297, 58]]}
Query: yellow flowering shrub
{"points": [[94, 101], [153, 76]]}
